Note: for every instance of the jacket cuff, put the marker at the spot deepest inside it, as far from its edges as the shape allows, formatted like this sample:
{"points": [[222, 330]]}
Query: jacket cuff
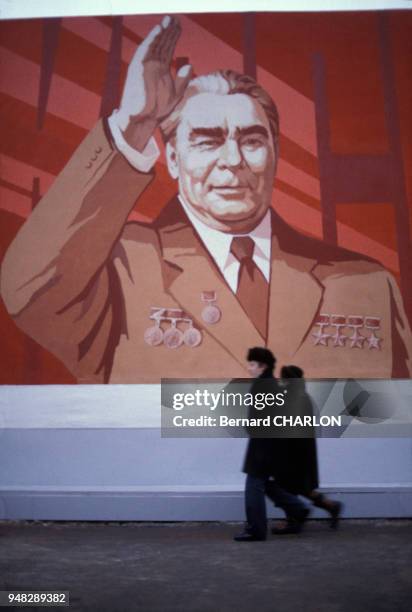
{"points": [[141, 161]]}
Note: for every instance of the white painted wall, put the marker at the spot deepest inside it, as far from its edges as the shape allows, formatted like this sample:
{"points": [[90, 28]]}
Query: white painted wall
{"points": [[11, 9]]}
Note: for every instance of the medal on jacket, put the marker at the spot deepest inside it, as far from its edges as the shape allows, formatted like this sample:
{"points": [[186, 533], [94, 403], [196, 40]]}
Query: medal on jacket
{"points": [[192, 336], [373, 324], [173, 337], [153, 336], [211, 313], [339, 323], [355, 322], [321, 337]]}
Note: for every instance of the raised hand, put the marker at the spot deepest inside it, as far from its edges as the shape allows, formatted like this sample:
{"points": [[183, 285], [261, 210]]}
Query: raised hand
{"points": [[151, 91]]}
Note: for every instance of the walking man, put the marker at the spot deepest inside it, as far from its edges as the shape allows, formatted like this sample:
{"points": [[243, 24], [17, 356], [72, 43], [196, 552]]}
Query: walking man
{"points": [[261, 462]]}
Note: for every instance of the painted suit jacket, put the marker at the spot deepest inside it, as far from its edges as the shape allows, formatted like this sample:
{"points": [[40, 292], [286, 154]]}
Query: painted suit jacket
{"points": [[81, 281]]}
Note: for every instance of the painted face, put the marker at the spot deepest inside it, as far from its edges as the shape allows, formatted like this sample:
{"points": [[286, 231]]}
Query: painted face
{"points": [[223, 157], [255, 368]]}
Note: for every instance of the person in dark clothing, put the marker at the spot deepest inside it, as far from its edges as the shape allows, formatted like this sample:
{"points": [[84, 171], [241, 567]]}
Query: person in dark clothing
{"points": [[261, 463], [297, 464]]}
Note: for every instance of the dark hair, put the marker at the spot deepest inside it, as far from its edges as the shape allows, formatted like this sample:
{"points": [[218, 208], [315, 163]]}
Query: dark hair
{"points": [[225, 82], [262, 355], [291, 371]]}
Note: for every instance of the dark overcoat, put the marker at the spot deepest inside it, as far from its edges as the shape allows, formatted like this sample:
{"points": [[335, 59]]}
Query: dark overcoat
{"points": [[291, 461], [262, 458], [298, 465]]}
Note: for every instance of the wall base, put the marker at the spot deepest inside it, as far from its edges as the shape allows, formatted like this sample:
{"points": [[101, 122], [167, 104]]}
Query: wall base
{"points": [[190, 503]]}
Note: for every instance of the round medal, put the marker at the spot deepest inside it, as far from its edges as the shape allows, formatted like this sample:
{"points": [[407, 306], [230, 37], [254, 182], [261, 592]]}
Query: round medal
{"points": [[173, 338], [192, 337], [153, 336], [211, 314]]}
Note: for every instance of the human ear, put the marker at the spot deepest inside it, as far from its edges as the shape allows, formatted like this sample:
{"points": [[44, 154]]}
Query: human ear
{"points": [[171, 157]]}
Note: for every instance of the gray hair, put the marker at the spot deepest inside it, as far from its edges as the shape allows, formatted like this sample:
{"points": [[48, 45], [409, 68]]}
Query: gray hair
{"points": [[224, 82]]}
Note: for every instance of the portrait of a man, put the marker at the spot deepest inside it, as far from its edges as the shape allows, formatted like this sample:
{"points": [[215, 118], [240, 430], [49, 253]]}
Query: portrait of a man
{"points": [[218, 270]]}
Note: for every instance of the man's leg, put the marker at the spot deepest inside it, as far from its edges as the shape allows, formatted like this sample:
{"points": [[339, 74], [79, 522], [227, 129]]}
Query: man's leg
{"points": [[295, 510], [256, 506], [290, 503], [333, 507]]}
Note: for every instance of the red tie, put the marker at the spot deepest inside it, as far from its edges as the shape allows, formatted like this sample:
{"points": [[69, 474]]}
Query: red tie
{"points": [[253, 288]]}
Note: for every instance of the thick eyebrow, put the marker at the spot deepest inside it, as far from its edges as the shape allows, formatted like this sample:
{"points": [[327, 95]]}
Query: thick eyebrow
{"points": [[218, 132], [214, 132], [253, 129]]}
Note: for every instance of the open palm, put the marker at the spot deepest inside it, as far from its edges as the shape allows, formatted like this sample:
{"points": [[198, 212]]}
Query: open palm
{"points": [[151, 91]]}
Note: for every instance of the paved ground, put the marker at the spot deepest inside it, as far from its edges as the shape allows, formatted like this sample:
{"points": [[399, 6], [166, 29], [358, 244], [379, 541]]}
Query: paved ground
{"points": [[365, 566]]}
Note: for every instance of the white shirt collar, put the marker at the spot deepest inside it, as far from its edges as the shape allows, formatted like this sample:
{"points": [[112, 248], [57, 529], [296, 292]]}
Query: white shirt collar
{"points": [[218, 244]]}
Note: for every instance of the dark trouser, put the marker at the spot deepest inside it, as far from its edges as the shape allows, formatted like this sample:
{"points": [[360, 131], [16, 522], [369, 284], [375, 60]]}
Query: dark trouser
{"points": [[255, 491]]}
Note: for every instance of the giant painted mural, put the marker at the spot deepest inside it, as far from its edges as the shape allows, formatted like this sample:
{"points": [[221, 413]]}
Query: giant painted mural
{"points": [[175, 190]]}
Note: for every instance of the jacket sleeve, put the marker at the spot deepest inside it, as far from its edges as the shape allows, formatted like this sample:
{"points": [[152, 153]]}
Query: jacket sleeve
{"points": [[57, 281]]}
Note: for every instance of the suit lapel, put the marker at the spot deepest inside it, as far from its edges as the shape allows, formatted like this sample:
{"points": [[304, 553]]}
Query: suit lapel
{"points": [[195, 272], [295, 293]]}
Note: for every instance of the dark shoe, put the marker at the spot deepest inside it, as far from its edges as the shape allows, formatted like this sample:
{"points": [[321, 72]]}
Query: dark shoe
{"points": [[334, 508], [294, 524], [247, 537], [335, 512]]}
